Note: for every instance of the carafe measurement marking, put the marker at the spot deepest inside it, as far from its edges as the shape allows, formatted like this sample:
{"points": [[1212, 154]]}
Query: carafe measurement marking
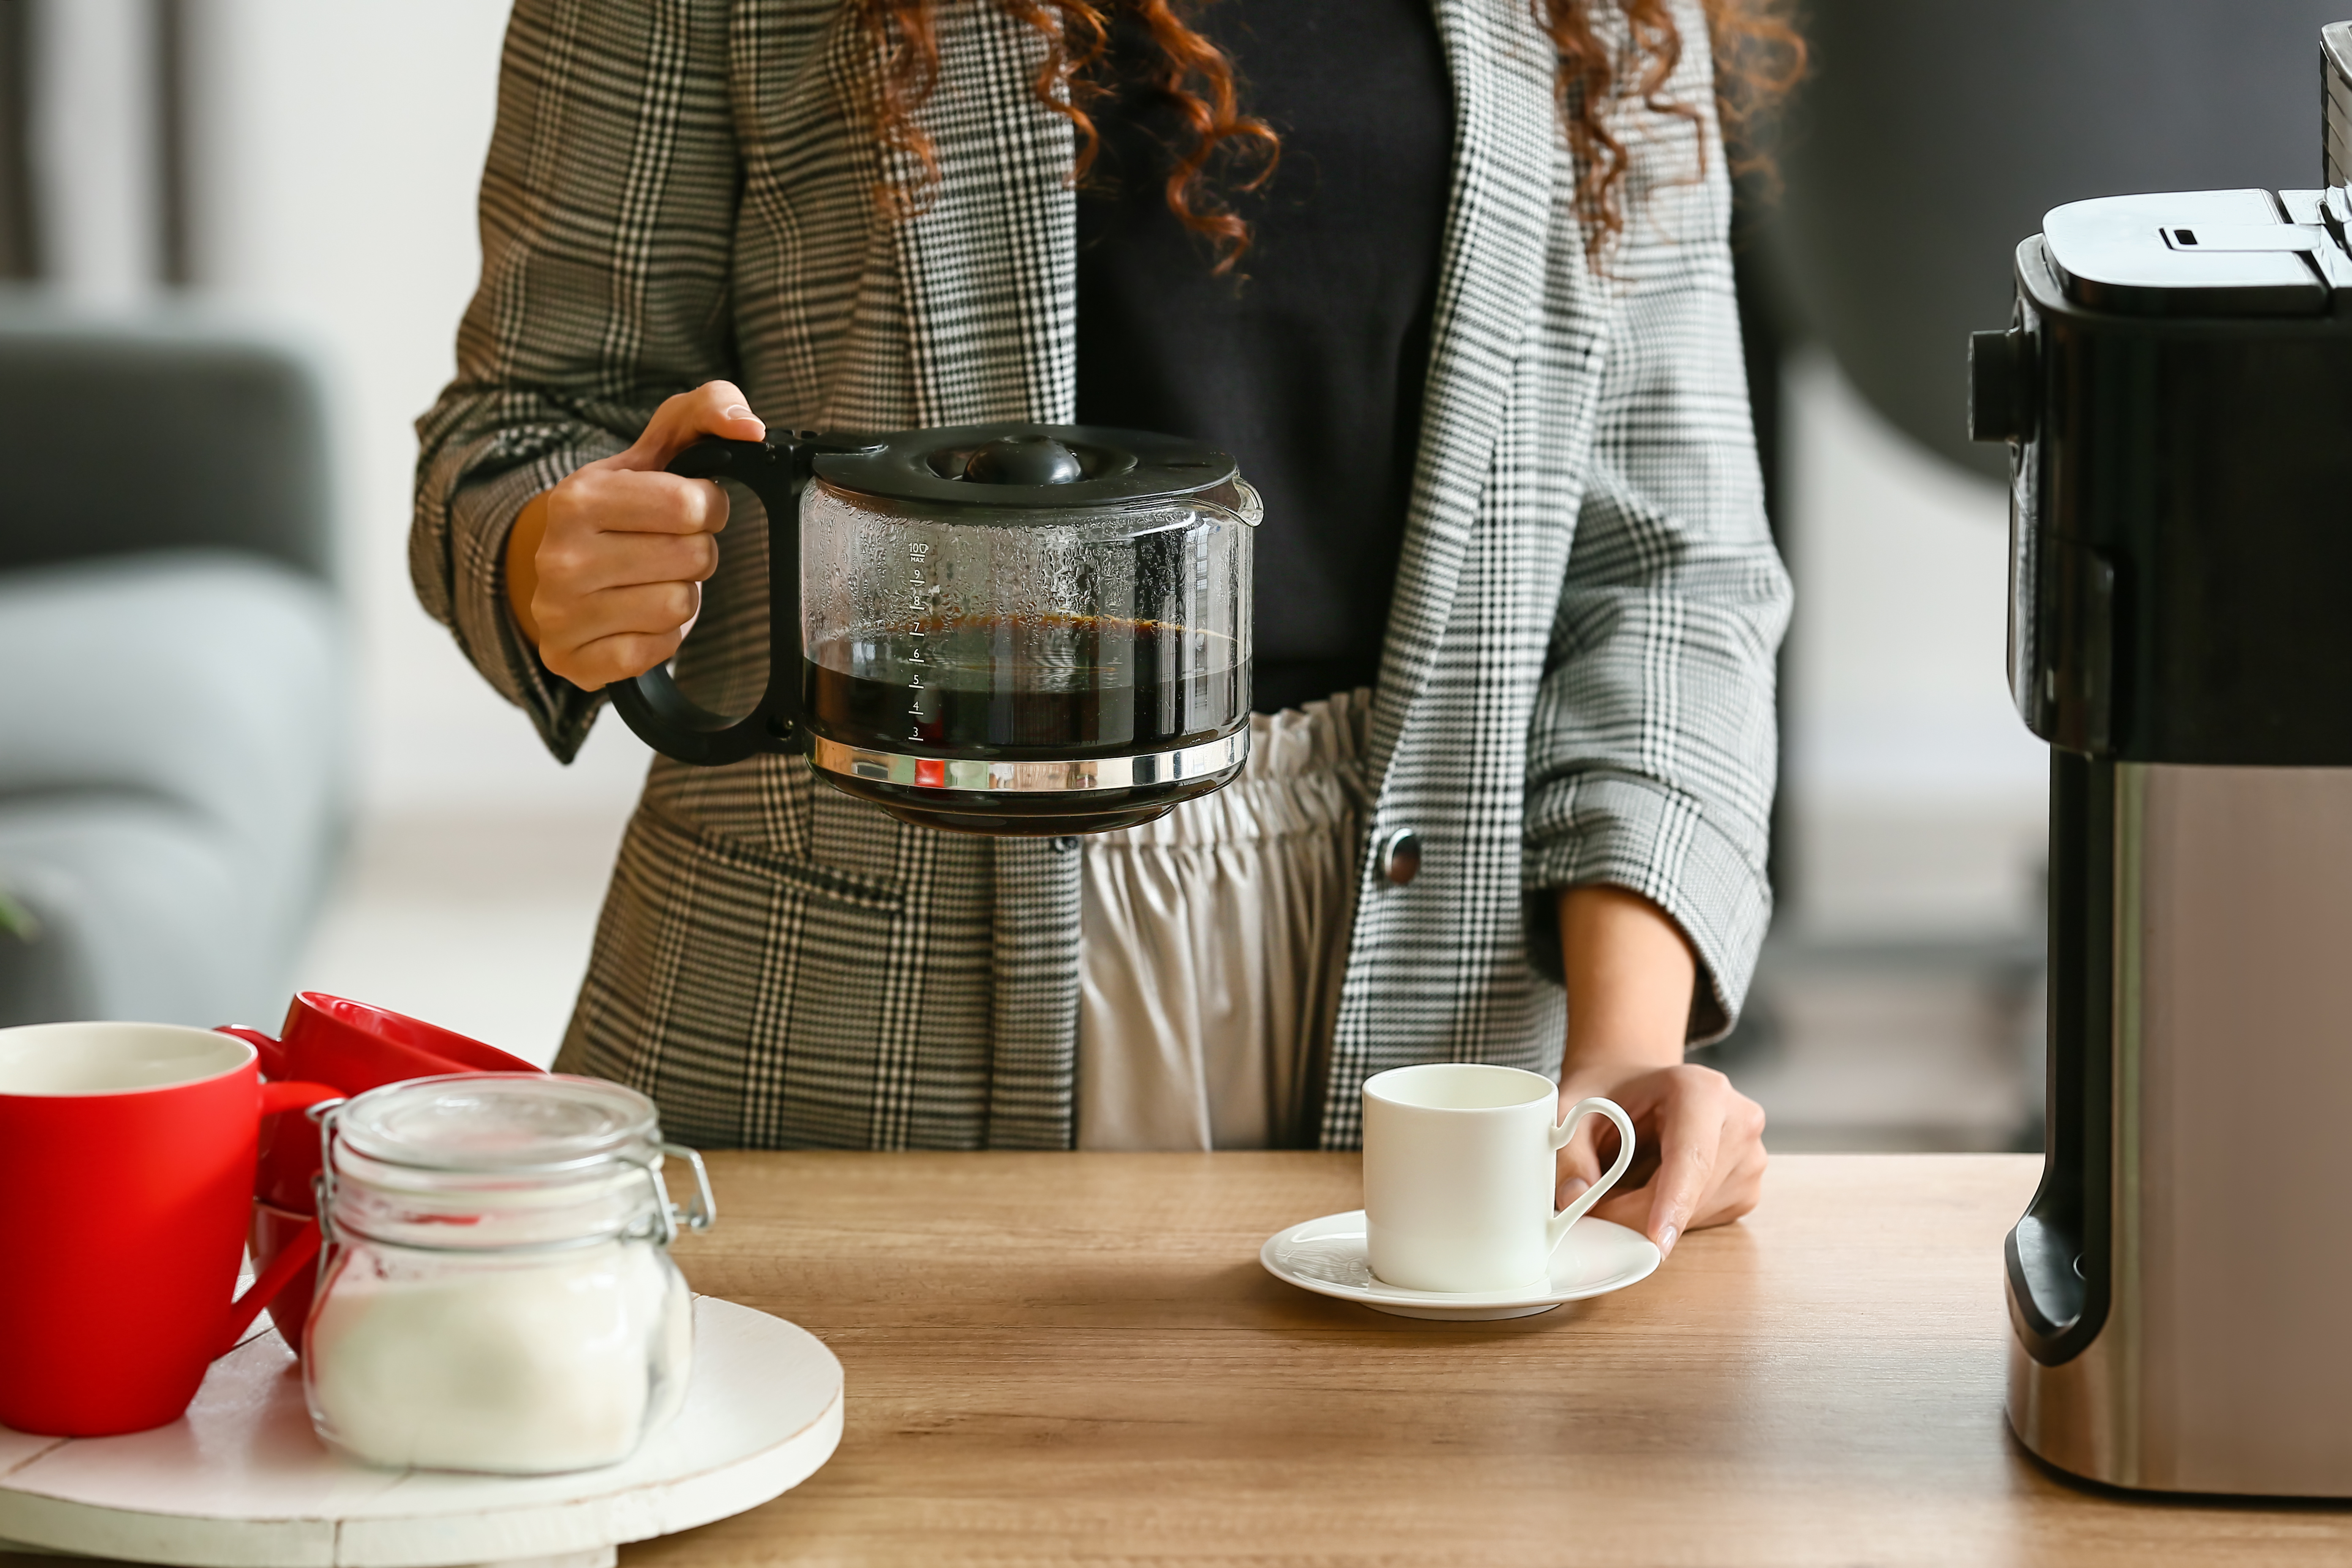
{"points": [[917, 601]]}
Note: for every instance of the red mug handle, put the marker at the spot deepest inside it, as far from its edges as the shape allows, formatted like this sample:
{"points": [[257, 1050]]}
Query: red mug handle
{"points": [[272, 1053], [294, 1095]]}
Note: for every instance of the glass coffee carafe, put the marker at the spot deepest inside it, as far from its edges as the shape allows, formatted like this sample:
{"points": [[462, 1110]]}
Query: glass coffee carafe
{"points": [[1010, 629]]}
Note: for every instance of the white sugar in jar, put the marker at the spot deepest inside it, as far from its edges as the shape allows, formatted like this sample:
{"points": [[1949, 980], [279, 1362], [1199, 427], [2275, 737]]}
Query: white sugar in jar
{"points": [[497, 1293]]}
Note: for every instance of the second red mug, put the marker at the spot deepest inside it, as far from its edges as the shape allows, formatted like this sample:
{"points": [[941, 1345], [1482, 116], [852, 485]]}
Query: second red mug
{"points": [[337, 1040]]}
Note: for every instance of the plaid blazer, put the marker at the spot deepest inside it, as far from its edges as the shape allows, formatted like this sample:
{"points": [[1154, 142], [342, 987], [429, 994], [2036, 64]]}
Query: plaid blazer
{"points": [[1577, 681]]}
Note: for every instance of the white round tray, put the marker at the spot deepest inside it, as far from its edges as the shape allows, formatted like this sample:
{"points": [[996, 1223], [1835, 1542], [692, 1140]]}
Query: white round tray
{"points": [[241, 1481]]}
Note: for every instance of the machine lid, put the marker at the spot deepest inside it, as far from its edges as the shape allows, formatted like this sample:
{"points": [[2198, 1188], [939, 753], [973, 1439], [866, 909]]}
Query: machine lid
{"points": [[1009, 467], [2186, 253]]}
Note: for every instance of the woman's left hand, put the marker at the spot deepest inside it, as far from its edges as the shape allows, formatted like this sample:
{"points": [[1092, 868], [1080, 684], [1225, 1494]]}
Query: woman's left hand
{"points": [[1698, 1144], [1698, 1155]]}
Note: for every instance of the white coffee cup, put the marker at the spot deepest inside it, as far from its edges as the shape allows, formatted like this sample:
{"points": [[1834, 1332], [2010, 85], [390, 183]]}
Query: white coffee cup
{"points": [[1459, 1175]]}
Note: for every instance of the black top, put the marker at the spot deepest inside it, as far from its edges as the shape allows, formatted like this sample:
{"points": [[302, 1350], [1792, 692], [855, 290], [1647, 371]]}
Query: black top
{"points": [[1308, 366]]}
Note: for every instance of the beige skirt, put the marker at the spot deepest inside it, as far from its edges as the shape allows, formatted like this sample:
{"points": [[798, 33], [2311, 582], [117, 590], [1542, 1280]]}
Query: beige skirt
{"points": [[1214, 942]]}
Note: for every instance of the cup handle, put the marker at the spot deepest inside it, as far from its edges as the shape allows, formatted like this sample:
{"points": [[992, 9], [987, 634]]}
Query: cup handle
{"points": [[291, 1095], [1599, 1189], [297, 1255], [271, 1050], [294, 1094]]}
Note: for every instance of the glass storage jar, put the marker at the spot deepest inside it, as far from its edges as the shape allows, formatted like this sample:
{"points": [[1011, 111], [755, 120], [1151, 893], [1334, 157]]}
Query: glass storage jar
{"points": [[496, 1293]]}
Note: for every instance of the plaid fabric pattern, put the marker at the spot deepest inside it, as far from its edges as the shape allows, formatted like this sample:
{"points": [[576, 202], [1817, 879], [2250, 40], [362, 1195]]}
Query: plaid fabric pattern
{"points": [[1577, 686], [1577, 682]]}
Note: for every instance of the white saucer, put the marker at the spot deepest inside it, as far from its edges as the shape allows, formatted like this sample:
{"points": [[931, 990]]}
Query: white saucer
{"points": [[1327, 1256]]}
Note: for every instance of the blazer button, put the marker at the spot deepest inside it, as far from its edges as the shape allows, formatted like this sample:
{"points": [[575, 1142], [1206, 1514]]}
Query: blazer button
{"points": [[1401, 856]]}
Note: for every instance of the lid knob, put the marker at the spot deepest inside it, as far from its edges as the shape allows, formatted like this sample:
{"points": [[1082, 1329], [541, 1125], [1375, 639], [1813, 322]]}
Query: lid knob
{"points": [[1024, 460]]}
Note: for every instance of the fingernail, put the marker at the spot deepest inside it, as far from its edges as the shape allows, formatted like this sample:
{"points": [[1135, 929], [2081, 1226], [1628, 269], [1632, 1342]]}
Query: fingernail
{"points": [[1571, 1190], [739, 410], [1666, 1240]]}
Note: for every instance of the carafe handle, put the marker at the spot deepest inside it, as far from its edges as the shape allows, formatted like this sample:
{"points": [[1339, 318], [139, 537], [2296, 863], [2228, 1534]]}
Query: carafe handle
{"points": [[666, 718]]}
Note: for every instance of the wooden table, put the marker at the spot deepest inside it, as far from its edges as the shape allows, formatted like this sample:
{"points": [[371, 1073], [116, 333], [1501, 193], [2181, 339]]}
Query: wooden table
{"points": [[1065, 1358], [1077, 1358]]}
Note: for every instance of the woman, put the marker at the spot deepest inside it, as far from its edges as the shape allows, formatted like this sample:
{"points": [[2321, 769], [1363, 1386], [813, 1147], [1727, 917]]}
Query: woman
{"points": [[1472, 334]]}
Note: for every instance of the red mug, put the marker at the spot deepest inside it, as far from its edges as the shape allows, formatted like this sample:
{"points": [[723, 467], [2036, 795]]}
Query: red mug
{"points": [[127, 1160], [361, 1047]]}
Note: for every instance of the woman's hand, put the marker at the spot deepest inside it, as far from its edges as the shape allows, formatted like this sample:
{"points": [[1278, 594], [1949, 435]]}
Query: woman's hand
{"points": [[604, 571], [1698, 1157], [1699, 1143]]}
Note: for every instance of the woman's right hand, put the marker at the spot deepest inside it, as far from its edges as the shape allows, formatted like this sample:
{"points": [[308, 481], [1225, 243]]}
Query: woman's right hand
{"points": [[604, 571]]}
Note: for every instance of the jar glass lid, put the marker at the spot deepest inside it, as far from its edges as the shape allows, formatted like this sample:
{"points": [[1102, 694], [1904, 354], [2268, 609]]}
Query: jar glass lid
{"points": [[497, 1122]]}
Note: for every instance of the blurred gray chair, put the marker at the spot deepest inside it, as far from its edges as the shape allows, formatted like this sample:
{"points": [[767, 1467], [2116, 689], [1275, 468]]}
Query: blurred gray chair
{"points": [[1935, 133], [173, 749]]}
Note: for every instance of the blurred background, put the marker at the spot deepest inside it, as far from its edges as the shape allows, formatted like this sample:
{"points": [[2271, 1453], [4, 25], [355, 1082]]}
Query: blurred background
{"points": [[240, 233]]}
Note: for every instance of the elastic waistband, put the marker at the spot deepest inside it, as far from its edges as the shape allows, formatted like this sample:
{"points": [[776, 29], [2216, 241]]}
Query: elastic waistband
{"points": [[1304, 775]]}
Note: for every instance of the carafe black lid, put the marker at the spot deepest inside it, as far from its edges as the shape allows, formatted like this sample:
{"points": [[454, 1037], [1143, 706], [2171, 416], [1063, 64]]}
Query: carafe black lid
{"points": [[1010, 467]]}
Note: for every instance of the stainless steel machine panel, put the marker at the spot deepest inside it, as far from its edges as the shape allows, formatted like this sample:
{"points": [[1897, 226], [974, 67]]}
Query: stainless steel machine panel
{"points": [[2225, 1363]]}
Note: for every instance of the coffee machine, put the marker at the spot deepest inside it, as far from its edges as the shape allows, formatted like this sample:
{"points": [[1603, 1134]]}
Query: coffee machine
{"points": [[2176, 389]]}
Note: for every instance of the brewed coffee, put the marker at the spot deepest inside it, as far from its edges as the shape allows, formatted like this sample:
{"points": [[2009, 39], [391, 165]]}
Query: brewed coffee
{"points": [[1000, 686]]}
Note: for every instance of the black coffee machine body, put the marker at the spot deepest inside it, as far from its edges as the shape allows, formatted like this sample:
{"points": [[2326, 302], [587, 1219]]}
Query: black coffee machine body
{"points": [[2177, 392]]}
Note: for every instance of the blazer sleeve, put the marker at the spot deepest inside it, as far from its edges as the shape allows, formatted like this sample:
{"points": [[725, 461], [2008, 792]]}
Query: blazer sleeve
{"points": [[1652, 748], [608, 208]]}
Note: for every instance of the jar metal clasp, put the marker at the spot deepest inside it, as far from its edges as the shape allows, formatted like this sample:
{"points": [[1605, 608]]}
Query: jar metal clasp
{"points": [[700, 1211]]}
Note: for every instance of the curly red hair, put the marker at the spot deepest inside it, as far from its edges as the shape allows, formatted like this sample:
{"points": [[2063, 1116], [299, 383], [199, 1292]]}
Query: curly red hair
{"points": [[1756, 50]]}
